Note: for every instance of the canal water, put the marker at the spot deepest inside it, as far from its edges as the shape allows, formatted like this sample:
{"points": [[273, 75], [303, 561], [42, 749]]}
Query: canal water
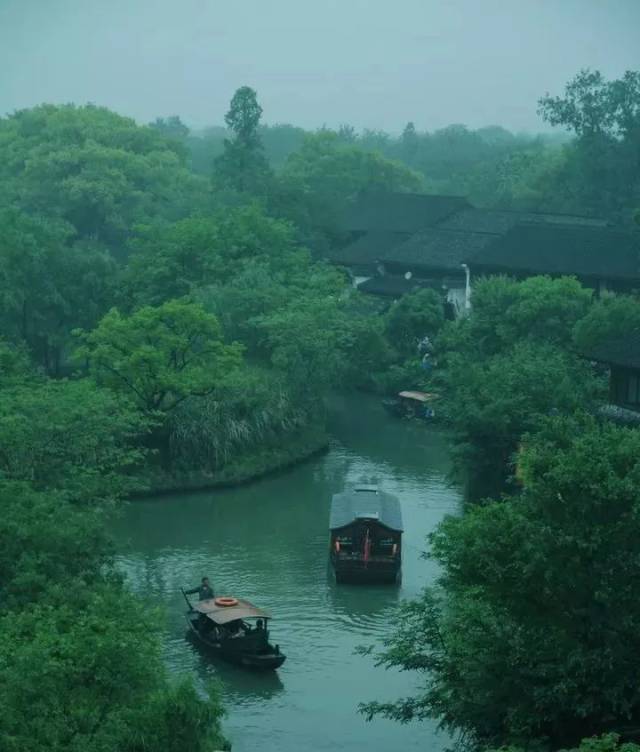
{"points": [[268, 542]]}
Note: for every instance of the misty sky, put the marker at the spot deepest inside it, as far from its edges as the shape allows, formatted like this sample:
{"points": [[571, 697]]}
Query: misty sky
{"points": [[370, 63]]}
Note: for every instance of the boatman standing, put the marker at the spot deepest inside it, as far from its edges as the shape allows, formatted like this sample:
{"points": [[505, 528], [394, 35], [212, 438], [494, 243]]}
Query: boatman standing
{"points": [[204, 590]]}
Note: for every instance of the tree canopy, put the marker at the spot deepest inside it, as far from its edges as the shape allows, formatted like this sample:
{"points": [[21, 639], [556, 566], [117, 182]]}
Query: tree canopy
{"points": [[535, 611]]}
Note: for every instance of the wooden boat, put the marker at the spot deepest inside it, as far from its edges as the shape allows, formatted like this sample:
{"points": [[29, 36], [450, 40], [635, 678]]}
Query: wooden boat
{"points": [[411, 405], [366, 536], [235, 630]]}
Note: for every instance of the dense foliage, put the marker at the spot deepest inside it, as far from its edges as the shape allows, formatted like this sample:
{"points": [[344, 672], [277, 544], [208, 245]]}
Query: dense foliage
{"points": [[80, 660], [164, 314], [532, 631], [507, 365]]}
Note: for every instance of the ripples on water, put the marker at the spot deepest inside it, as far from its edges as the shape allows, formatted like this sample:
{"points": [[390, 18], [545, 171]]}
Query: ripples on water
{"points": [[268, 542]]}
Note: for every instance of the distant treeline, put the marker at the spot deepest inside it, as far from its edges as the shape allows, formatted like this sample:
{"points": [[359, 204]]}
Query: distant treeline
{"points": [[452, 160], [591, 166]]}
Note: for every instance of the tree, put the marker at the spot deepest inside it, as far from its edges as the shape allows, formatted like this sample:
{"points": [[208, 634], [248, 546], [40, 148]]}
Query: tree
{"points": [[176, 260], [88, 676], [506, 312], [48, 285], [70, 435], [325, 173], [306, 341], [532, 632], [99, 172], [593, 106], [409, 143], [416, 315], [611, 316], [50, 545], [492, 403], [159, 356], [243, 166], [601, 166], [172, 127]]}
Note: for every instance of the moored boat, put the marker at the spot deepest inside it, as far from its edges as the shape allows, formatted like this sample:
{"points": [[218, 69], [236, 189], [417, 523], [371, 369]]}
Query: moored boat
{"points": [[235, 630], [411, 405], [366, 536]]}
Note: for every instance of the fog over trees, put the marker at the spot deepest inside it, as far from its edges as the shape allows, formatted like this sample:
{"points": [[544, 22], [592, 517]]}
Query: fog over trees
{"points": [[183, 289]]}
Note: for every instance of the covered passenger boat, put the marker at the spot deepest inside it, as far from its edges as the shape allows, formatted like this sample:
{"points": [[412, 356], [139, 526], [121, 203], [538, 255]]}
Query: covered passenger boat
{"points": [[366, 535], [235, 630]]}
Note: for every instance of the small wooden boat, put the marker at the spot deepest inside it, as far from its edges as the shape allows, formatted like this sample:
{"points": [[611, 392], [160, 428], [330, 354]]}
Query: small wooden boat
{"points": [[236, 630], [411, 405], [366, 536]]}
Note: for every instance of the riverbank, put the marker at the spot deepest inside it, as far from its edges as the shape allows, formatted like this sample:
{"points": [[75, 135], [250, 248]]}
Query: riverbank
{"points": [[269, 542], [299, 446]]}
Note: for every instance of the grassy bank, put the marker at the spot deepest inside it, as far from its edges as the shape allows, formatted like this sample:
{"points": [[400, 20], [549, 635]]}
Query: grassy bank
{"points": [[298, 447]]}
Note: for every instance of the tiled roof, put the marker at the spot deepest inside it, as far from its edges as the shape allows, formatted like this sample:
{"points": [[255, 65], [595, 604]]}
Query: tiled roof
{"points": [[368, 249], [500, 221], [365, 502], [438, 249], [563, 249], [399, 212]]}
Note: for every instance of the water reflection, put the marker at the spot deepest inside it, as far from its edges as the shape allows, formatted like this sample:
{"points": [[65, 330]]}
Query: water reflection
{"points": [[240, 686], [269, 543]]}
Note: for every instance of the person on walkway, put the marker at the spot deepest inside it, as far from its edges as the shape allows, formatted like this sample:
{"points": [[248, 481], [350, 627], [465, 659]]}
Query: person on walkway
{"points": [[204, 590]]}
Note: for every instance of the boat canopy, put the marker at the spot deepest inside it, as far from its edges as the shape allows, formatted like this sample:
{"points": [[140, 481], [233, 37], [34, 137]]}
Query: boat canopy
{"points": [[224, 614], [418, 396], [365, 503]]}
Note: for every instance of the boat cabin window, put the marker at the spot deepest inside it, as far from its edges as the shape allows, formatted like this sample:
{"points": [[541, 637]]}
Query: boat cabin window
{"points": [[345, 542]]}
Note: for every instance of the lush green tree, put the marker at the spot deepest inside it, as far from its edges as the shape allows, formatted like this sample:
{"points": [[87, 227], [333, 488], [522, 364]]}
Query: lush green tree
{"points": [[243, 166], [159, 356], [532, 632], [170, 262], [48, 286], [50, 545], [492, 403], [593, 106], [416, 315], [70, 435], [98, 171], [506, 311], [610, 316], [306, 341], [172, 127], [326, 172], [88, 676], [601, 165], [15, 367], [604, 743]]}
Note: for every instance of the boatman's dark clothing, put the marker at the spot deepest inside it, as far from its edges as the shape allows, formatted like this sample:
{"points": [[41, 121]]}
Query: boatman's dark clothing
{"points": [[204, 592]]}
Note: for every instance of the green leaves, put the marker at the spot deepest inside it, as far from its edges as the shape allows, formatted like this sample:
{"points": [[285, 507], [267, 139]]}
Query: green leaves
{"points": [[70, 435], [159, 356], [98, 171], [509, 364], [532, 631], [416, 315]]}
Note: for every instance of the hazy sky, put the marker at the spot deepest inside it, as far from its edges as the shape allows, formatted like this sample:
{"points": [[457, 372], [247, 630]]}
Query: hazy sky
{"points": [[371, 63]]}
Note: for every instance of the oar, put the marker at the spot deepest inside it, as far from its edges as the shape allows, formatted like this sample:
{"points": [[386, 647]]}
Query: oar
{"points": [[187, 599]]}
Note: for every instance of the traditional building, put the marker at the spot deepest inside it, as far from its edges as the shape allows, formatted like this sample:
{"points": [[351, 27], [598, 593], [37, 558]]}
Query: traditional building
{"points": [[400, 242], [622, 355], [602, 258]]}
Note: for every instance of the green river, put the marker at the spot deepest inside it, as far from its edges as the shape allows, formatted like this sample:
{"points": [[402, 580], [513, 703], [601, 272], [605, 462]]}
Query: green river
{"points": [[268, 542]]}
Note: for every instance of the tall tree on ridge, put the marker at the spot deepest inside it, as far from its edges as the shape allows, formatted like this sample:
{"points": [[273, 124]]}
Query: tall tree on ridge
{"points": [[243, 165]]}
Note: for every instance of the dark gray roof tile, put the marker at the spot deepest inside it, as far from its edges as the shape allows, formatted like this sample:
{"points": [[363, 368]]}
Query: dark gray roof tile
{"points": [[365, 502], [399, 212], [562, 249]]}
